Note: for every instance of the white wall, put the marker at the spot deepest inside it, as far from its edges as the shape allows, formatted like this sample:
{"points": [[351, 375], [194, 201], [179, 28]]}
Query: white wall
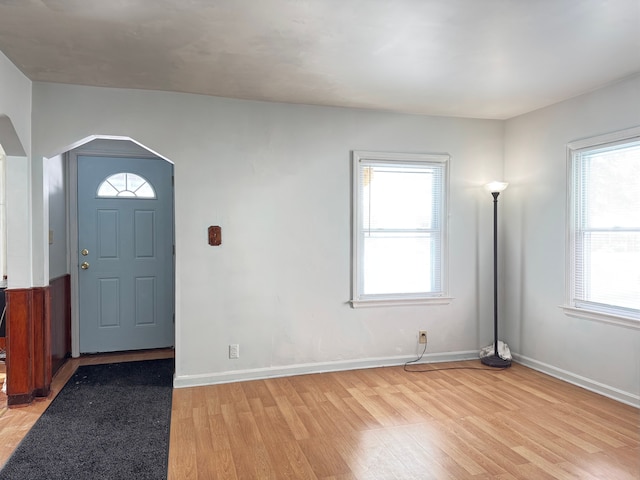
{"points": [[600, 356], [276, 177], [15, 100], [15, 103], [56, 176], [3, 220]]}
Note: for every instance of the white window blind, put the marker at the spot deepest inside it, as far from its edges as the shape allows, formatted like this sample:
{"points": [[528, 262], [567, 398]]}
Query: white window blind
{"points": [[399, 226], [605, 236]]}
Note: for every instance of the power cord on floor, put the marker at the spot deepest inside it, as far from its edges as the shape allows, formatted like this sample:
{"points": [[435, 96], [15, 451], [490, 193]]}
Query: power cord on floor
{"points": [[426, 370]]}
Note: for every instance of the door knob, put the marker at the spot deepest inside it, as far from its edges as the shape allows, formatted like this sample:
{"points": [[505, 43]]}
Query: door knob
{"points": [[84, 252], [84, 265]]}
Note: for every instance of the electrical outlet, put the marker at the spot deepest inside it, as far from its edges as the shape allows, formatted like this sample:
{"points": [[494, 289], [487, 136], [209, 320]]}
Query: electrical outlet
{"points": [[234, 350], [422, 336]]}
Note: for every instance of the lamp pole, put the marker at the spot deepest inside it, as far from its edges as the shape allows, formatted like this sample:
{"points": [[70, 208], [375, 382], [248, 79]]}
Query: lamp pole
{"points": [[495, 360], [495, 271]]}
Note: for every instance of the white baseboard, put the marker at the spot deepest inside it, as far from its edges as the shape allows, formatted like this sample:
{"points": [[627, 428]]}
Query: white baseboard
{"points": [[586, 383], [182, 381]]}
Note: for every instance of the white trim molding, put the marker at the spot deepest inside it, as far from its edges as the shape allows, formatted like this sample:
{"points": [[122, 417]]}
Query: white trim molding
{"points": [[626, 134], [183, 381], [390, 302], [601, 317], [584, 382]]}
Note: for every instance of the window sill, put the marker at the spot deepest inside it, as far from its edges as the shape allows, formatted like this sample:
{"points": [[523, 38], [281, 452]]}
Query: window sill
{"points": [[601, 317], [399, 302]]}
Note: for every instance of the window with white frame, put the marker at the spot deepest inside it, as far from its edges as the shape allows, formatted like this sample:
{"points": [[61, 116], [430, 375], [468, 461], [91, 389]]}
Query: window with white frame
{"points": [[604, 227], [399, 228]]}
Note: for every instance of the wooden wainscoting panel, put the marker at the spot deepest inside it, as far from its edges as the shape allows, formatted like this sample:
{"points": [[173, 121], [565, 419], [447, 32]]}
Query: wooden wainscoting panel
{"points": [[28, 345], [19, 338], [60, 320], [40, 349]]}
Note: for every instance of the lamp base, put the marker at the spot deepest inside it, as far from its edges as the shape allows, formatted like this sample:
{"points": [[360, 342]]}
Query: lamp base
{"points": [[495, 361]]}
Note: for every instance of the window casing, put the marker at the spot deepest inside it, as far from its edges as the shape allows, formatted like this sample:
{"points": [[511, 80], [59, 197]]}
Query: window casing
{"points": [[399, 229], [604, 228]]}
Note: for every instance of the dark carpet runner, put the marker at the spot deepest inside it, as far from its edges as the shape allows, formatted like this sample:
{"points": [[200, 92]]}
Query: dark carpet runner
{"points": [[108, 422]]}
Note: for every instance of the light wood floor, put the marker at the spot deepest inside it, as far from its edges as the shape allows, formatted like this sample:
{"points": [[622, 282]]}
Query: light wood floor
{"points": [[385, 423]]}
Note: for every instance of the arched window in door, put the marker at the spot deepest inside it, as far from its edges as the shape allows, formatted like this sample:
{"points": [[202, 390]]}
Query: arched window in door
{"points": [[127, 185]]}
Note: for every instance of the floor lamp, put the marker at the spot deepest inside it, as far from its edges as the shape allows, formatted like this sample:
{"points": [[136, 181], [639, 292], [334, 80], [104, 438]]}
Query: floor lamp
{"points": [[495, 360]]}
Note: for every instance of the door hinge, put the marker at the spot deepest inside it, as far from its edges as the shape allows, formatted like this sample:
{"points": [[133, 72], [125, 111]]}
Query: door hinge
{"points": [[172, 180], [174, 249]]}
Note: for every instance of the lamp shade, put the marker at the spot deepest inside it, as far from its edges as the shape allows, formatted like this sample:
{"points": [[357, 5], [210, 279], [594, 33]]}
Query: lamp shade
{"points": [[494, 187]]}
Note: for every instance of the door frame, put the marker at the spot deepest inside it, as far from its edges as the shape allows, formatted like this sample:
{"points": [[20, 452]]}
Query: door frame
{"points": [[109, 147]]}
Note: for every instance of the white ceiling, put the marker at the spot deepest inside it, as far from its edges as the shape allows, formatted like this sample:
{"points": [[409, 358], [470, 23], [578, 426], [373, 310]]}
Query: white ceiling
{"points": [[470, 58]]}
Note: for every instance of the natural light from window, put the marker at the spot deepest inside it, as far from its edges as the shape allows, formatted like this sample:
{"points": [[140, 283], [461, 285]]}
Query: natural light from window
{"points": [[606, 228], [399, 231], [126, 185]]}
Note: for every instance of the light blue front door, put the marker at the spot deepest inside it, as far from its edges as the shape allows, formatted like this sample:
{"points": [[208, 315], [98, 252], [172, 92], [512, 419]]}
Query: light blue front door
{"points": [[125, 258]]}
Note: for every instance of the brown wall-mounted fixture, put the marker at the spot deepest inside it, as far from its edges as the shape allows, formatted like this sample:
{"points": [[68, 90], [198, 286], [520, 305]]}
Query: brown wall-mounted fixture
{"points": [[215, 236]]}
